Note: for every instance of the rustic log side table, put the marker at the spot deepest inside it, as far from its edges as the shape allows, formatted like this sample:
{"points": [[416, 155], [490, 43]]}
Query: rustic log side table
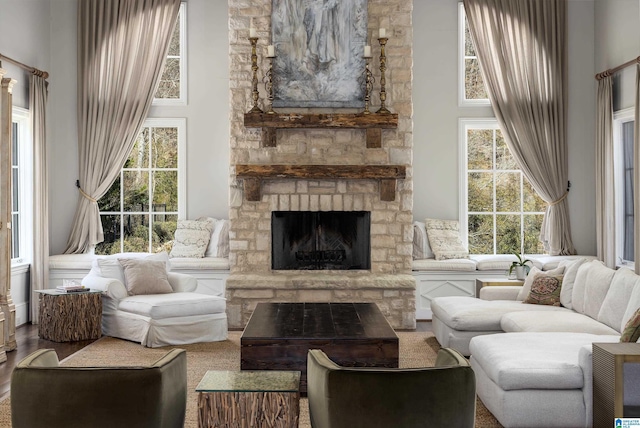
{"points": [[248, 399], [68, 317]]}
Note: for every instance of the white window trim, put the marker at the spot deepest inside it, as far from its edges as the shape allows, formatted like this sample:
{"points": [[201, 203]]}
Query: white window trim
{"points": [[619, 118], [25, 161], [182, 100], [462, 101]]}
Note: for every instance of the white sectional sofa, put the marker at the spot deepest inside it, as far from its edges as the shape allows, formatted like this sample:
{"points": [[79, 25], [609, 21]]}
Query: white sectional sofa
{"points": [[533, 362]]}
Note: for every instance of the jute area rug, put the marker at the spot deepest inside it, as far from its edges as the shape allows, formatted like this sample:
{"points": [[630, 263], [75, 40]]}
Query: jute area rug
{"points": [[417, 349]]}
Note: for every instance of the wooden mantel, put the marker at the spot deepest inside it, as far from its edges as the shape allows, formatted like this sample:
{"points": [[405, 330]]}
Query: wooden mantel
{"points": [[252, 176], [373, 123]]}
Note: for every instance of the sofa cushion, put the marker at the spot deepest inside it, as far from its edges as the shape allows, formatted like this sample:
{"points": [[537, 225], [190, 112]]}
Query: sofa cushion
{"points": [[598, 283], [632, 306], [462, 265], [618, 297], [579, 287], [145, 277], [471, 314], [444, 239], [570, 271], [631, 331], [421, 248], [526, 287], [545, 290], [567, 321], [543, 361], [160, 306]]}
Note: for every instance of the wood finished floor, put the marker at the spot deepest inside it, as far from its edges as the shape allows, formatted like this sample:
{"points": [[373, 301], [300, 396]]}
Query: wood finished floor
{"points": [[28, 342]]}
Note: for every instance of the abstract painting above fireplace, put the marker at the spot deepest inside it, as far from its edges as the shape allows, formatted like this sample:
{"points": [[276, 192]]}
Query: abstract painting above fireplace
{"points": [[314, 240]]}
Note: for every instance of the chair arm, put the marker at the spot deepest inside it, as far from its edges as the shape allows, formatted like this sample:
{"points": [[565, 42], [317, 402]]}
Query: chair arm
{"points": [[40, 358], [181, 282], [109, 286], [503, 292], [450, 357]]}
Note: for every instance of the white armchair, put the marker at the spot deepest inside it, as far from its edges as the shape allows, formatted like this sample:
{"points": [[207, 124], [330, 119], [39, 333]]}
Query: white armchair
{"points": [[169, 318]]}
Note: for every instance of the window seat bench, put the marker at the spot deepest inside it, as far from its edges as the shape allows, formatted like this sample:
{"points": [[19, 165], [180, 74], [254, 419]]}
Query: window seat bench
{"points": [[211, 272], [457, 277]]}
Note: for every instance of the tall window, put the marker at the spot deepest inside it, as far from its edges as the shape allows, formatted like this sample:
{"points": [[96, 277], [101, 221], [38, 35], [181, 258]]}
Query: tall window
{"points": [[471, 84], [140, 211], [21, 191], [172, 88], [502, 211], [623, 170]]}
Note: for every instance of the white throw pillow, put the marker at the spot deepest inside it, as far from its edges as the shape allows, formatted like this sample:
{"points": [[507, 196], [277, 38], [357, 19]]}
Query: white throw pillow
{"points": [[526, 287], [570, 272], [598, 283], [110, 267], [191, 238], [579, 286], [219, 246], [618, 296], [421, 248], [444, 239]]}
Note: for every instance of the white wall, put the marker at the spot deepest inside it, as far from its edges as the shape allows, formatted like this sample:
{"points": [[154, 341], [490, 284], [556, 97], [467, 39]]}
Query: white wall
{"points": [[207, 115], [436, 114]]}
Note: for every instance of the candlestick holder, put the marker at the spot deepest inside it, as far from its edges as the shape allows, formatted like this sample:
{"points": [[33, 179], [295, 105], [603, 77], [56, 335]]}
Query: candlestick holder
{"points": [[268, 85], [368, 84], [254, 80], [383, 81]]}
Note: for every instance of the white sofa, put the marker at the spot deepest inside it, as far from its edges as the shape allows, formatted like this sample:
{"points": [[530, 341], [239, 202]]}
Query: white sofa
{"points": [[174, 318], [538, 372]]}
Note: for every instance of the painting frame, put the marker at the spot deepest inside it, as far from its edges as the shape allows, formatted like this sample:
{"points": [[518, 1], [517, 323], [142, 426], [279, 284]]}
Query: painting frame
{"points": [[319, 46]]}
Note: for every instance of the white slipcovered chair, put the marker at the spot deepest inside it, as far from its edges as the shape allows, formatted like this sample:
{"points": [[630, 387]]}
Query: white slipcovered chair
{"points": [[175, 315]]}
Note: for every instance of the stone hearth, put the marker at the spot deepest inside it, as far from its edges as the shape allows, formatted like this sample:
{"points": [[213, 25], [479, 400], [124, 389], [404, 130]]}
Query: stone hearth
{"points": [[389, 282]]}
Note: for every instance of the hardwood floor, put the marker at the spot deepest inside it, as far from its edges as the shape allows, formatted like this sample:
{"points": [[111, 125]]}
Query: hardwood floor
{"points": [[28, 341]]}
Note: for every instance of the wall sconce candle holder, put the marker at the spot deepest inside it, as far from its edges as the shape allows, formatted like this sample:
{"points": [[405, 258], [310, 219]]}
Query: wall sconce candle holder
{"points": [[383, 81], [254, 80]]}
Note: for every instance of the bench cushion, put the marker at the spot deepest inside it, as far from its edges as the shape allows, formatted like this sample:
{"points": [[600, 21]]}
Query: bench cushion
{"points": [[159, 306], [516, 361], [567, 321], [205, 263], [460, 265], [500, 261]]}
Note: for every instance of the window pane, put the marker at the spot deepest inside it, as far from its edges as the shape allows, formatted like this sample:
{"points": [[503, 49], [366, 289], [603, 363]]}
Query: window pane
{"points": [[480, 234], [165, 148], [169, 86], [164, 227], [480, 149], [136, 191], [139, 156], [15, 236], [174, 44], [531, 201], [473, 81], [507, 234], [532, 226], [14, 144], [111, 229], [110, 202], [504, 159], [469, 49], [165, 191], [136, 233], [480, 192], [16, 194], [507, 191]]}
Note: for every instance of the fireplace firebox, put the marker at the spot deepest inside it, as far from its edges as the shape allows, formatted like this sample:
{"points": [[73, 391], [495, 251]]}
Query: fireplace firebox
{"points": [[310, 240]]}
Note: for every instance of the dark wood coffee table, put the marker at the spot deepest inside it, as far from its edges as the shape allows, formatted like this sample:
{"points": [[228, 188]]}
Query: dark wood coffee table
{"points": [[279, 335]]}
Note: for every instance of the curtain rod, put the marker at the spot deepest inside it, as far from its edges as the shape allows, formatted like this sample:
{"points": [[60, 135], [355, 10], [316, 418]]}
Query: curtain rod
{"points": [[31, 70], [612, 71]]}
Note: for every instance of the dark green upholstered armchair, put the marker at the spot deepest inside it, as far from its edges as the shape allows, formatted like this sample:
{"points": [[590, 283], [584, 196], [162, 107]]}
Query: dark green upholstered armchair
{"points": [[346, 397], [43, 394]]}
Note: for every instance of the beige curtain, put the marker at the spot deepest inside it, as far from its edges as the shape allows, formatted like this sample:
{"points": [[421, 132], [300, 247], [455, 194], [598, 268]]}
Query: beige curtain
{"points": [[605, 193], [38, 94], [636, 176], [122, 45], [521, 46]]}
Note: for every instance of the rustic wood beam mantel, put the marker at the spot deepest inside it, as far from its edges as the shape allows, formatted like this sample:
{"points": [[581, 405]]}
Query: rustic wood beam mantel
{"points": [[252, 176], [373, 123]]}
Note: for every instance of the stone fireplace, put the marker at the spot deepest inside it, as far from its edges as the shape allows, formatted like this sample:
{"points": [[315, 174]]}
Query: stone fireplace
{"points": [[317, 267]]}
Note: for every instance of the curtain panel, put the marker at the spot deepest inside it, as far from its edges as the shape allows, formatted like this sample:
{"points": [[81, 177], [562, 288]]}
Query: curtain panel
{"points": [[636, 176], [521, 47], [38, 94], [605, 191], [122, 46]]}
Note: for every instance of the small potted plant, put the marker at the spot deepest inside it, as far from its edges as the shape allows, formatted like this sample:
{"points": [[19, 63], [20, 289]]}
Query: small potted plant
{"points": [[521, 267]]}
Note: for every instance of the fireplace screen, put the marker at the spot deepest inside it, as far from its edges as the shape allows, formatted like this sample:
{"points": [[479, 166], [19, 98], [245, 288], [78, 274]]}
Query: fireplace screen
{"points": [[320, 240]]}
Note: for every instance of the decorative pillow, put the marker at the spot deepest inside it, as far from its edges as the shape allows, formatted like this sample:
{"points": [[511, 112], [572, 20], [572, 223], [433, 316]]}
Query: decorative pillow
{"points": [[110, 267], [145, 277], [526, 287], [631, 332], [421, 248], [444, 238], [191, 238], [219, 245], [545, 290]]}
